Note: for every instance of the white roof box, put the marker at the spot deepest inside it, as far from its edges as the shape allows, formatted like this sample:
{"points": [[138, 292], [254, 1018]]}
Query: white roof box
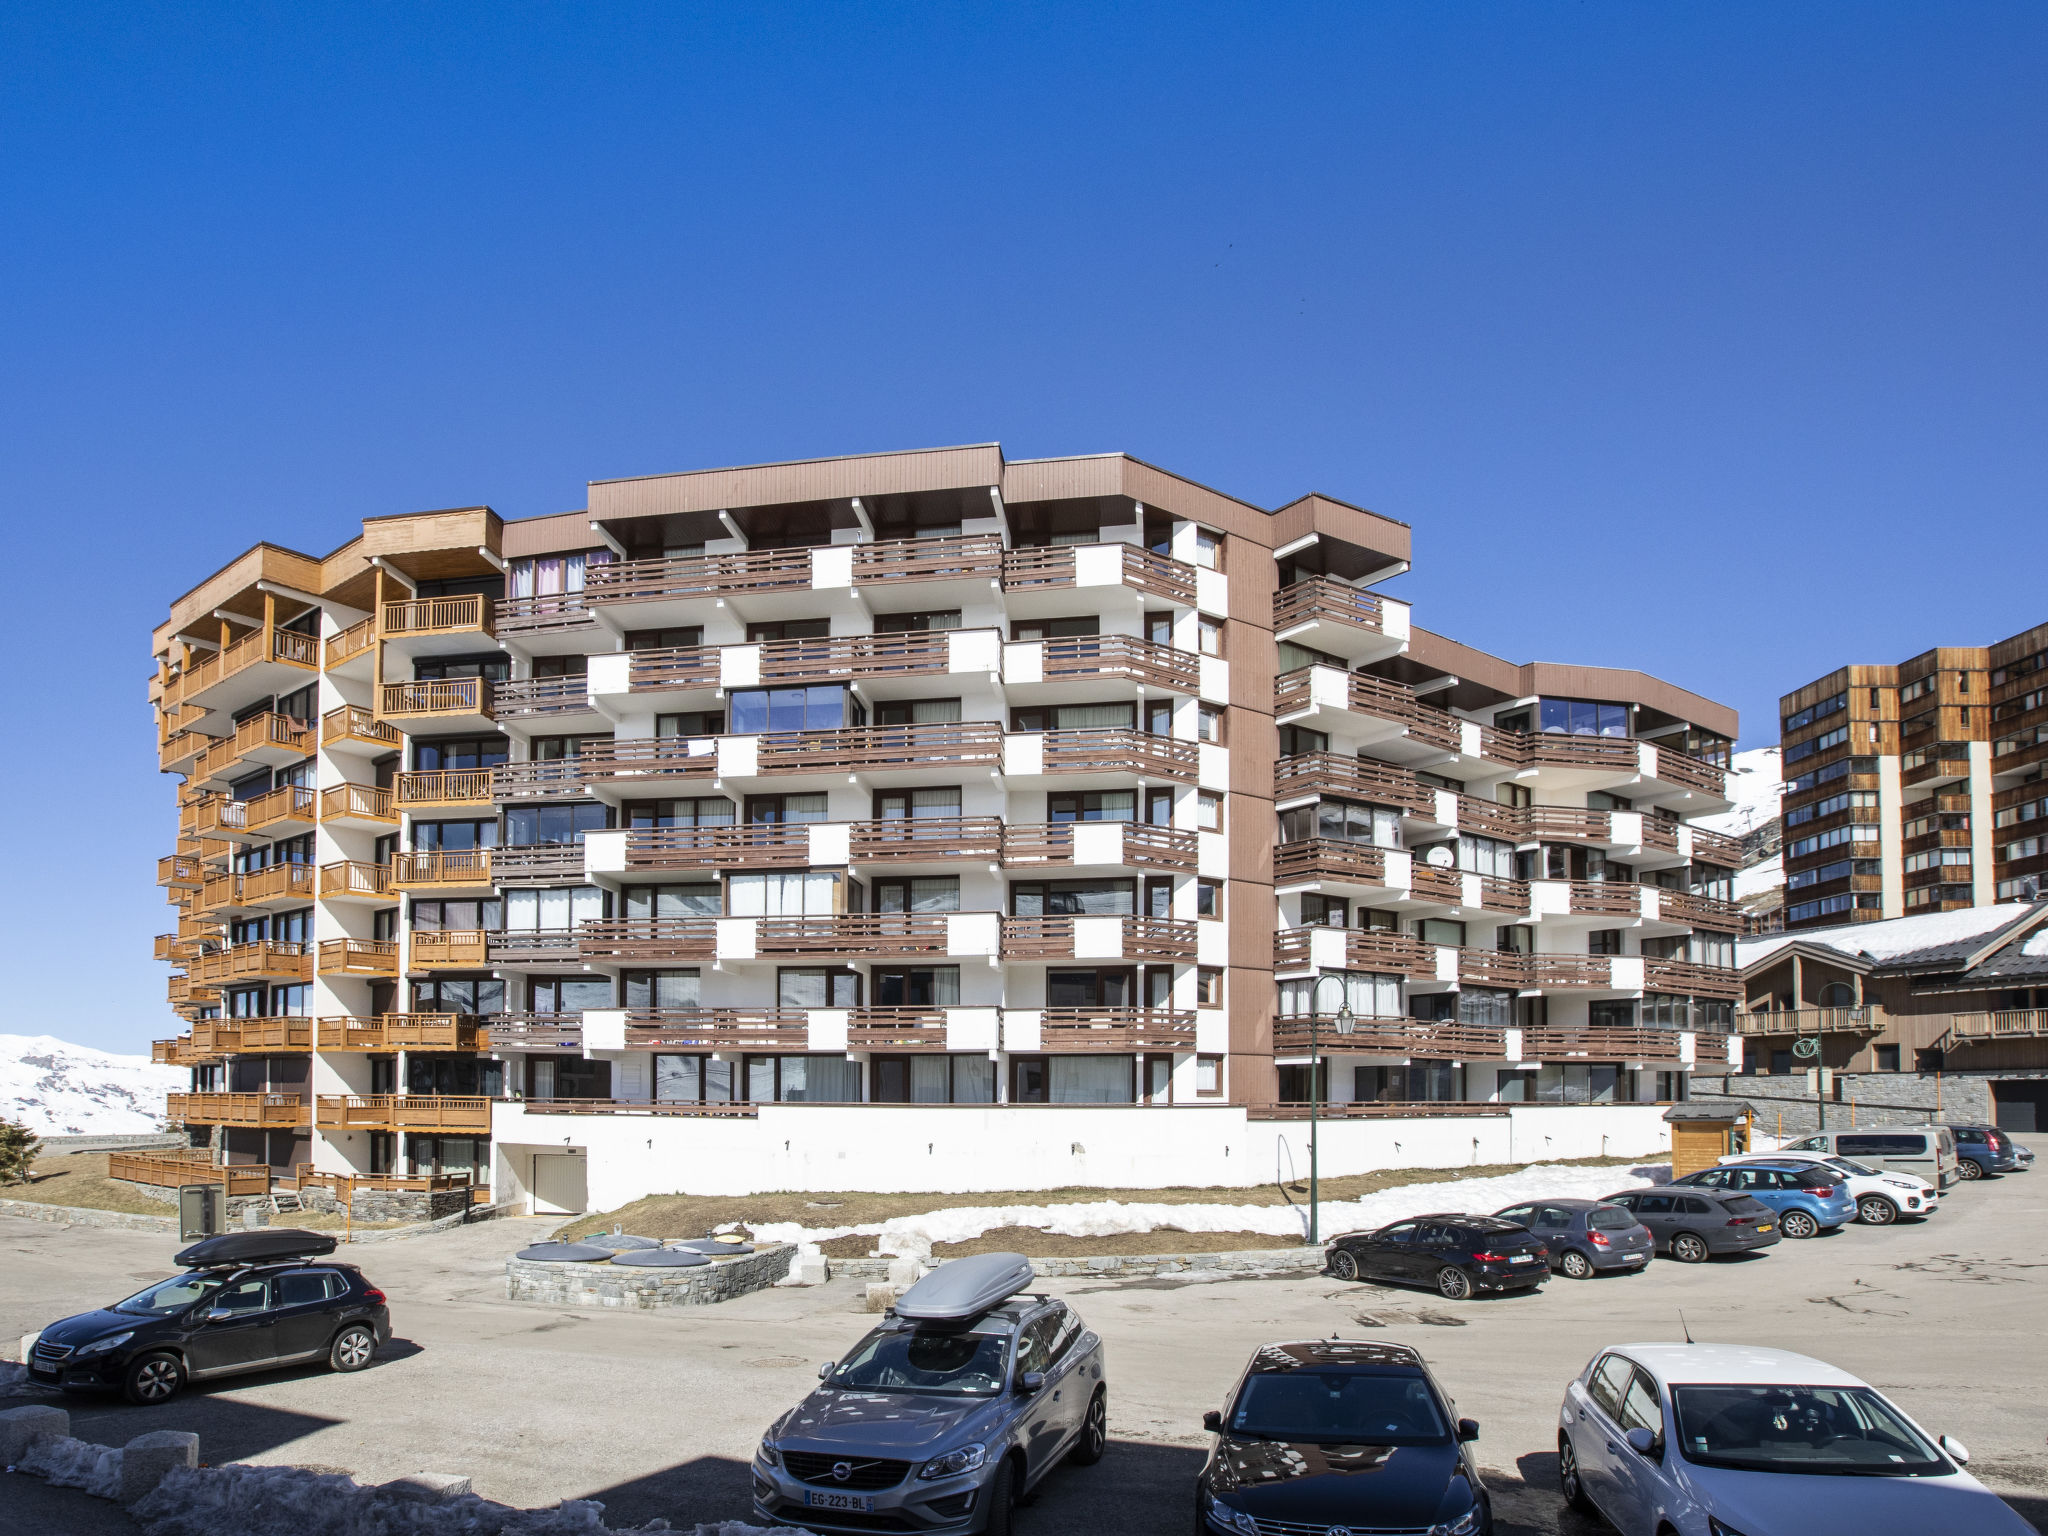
{"points": [[962, 1290]]}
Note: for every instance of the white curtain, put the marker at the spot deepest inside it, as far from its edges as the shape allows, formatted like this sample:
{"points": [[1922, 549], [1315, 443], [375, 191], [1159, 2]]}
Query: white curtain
{"points": [[929, 1079], [1089, 1079], [811, 894], [974, 1080]]}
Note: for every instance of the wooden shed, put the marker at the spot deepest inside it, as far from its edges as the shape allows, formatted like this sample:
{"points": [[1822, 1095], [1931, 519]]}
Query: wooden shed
{"points": [[1704, 1133]]}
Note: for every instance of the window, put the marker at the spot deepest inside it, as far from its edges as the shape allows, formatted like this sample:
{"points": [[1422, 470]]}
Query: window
{"points": [[1823, 709], [917, 712], [1077, 898], [526, 825], [1209, 986], [917, 986], [1604, 941], [552, 911], [788, 629], [647, 990], [821, 708], [676, 637], [1159, 628], [1071, 1080], [1209, 635], [693, 724], [1342, 821], [778, 810], [1297, 741], [816, 986], [1208, 810], [802, 1080], [645, 902], [1208, 550], [702, 811], [568, 994], [1208, 898], [467, 916], [916, 623], [1582, 717], [941, 803], [543, 576], [459, 994], [1887, 1058], [812, 893], [1821, 743], [1486, 856], [923, 893], [1074, 717], [1208, 1076], [456, 753], [1056, 629], [1834, 837], [454, 836], [1437, 930], [1209, 723], [1367, 995], [1092, 805], [932, 1080], [561, 749]]}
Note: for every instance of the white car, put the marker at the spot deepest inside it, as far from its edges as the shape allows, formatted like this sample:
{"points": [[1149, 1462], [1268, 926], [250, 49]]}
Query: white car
{"points": [[1731, 1440], [1881, 1196]]}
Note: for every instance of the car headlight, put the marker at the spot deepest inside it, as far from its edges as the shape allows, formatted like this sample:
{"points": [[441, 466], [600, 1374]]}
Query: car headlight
{"points": [[768, 1454], [953, 1463], [1236, 1519], [1901, 1183], [1464, 1525], [1716, 1526], [111, 1341]]}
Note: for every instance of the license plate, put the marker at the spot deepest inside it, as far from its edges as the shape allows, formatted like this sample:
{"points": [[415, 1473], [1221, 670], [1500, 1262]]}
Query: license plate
{"points": [[1632, 1258], [1763, 1226], [825, 1499], [1521, 1258], [47, 1372]]}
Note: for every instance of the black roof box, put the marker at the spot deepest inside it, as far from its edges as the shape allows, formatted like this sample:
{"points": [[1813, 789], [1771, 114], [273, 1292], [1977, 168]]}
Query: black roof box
{"points": [[960, 1291], [265, 1247]]}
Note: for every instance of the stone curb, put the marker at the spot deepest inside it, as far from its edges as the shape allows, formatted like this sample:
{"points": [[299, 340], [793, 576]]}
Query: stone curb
{"points": [[625, 1287], [1252, 1261]]}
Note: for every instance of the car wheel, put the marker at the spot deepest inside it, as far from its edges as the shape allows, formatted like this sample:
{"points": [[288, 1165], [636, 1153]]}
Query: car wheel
{"points": [[1002, 1500], [1569, 1483], [1453, 1283], [1689, 1248], [354, 1348], [1970, 1168], [1343, 1266], [153, 1379], [1094, 1437], [1576, 1265], [1798, 1225], [1876, 1211]]}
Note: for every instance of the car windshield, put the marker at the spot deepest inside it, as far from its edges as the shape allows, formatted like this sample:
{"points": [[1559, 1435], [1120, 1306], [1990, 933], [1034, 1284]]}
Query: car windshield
{"points": [[1838, 1431], [1860, 1170], [926, 1360], [1338, 1407], [1609, 1218], [170, 1296]]}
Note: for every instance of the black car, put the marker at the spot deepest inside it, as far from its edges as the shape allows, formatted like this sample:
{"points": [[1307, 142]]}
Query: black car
{"points": [[1692, 1225], [247, 1301], [1335, 1435], [1456, 1254], [1985, 1149], [1585, 1236]]}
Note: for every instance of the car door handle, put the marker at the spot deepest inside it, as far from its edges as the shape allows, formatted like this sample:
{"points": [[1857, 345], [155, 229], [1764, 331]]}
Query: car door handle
{"points": [[1614, 1448]]}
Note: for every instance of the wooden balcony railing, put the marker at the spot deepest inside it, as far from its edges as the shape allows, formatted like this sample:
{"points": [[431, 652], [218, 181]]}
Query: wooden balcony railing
{"points": [[1869, 1019], [1712, 847], [520, 862], [854, 933], [456, 786], [1121, 751], [284, 645], [1116, 1029], [530, 697], [165, 1171], [1143, 938], [921, 839], [1605, 898], [651, 939], [1318, 598], [1322, 858], [1688, 976], [403, 1032], [1125, 657], [279, 882], [470, 612], [634, 581], [1365, 949], [556, 778], [1391, 1036], [650, 1108], [1980, 1028], [719, 1029], [767, 845], [284, 736], [961, 557], [358, 957], [357, 802], [270, 959], [280, 809], [219, 889], [405, 1111], [1032, 570], [1378, 697], [181, 870], [531, 1031], [352, 642], [420, 871], [1330, 773], [354, 724], [465, 947], [1699, 911], [1567, 824], [453, 696], [353, 877], [1029, 845], [256, 1109], [242, 1037], [527, 946], [914, 654], [1562, 971], [548, 613], [1602, 1042], [689, 666], [877, 748]]}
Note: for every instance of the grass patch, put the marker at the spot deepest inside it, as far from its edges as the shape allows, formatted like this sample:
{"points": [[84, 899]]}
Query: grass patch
{"points": [[697, 1215], [80, 1179]]}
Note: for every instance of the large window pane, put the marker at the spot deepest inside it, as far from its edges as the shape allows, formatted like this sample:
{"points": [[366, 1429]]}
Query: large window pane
{"points": [[1089, 1079], [974, 1080]]}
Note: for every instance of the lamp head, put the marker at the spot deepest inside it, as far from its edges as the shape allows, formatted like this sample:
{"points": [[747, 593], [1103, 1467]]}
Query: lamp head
{"points": [[1345, 1021]]}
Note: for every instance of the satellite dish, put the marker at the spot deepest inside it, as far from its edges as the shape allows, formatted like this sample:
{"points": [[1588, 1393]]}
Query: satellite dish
{"points": [[1806, 1045], [1438, 857]]}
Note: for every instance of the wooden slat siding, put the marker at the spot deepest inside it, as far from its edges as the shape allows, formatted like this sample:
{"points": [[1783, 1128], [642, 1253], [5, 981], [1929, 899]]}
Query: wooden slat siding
{"points": [[1116, 1029], [1392, 1036], [528, 697], [554, 613], [351, 642], [1144, 938], [365, 801], [1330, 773], [719, 1029], [425, 869], [353, 877], [544, 946], [918, 839], [352, 722], [1123, 656], [1028, 845], [1320, 598], [520, 862], [457, 946], [455, 696], [358, 957], [454, 786], [261, 562], [405, 1111], [682, 666], [1121, 751], [531, 1031], [1603, 1042], [651, 939], [771, 485], [437, 615], [254, 1109]]}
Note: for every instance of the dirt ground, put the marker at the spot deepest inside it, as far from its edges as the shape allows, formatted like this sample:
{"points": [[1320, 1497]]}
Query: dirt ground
{"points": [[80, 1178], [698, 1215]]}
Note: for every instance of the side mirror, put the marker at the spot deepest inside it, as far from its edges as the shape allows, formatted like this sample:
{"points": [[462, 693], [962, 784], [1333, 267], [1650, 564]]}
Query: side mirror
{"points": [[1958, 1452], [220, 1315], [1642, 1442], [1031, 1383], [825, 1371], [1212, 1421], [1468, 1431]]}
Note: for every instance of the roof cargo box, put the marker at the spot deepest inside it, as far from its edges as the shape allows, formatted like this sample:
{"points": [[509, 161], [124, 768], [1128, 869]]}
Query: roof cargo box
{"points": [[962, 1290], [266, 1247]]}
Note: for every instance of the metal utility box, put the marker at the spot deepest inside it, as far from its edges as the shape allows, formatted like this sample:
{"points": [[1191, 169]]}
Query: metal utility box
{"points": [[199, 1209]]}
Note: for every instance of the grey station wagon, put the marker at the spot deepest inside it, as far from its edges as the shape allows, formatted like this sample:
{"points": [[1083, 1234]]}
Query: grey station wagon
{"points": [[941, 1418]]}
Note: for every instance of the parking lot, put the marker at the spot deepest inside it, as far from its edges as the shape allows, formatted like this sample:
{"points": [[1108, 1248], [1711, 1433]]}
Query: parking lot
{"points": [[657, 1415]]}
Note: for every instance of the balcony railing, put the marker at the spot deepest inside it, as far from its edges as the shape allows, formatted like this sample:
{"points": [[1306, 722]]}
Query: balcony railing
{"points": [[1320, 598], [530, 946], [1121, 657], [452, 696], [1867, 1020], [1390, 1036], [548, 613], [1037, 570], [912, 840], [1120, 751], [353, 877], [855, 933], [1330, 773], [520, 862], [787, 570], [426, 871], [466, 614], [897, 1029], [689, 666], [1137, 844], [1983, 1027], [719, 1029], [1375, 696], [556, 778], [353, 725], [241, 1037], [532, 697], [914, 654], [352, 642], [652, 939], [279, 882], [1699, 911], [1364, 949], [769, 845], [249, 1109], [1116, 1029], [358, 957], [1602, 1042], [357, 802], [464, 947], [403, 1032], [181, 870], [1139, 938], [404, 1111], [532, 1031], [455, 786], [168, 1171], [270, 959], [285, 645], [1689, 976]]}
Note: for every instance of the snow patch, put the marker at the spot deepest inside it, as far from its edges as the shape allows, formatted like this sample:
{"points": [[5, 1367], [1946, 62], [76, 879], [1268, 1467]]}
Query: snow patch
{"points": [[1766, 875], [1105, 1218], [56, 1088], [2037, 943], [68, 1463], [1756, 786]]}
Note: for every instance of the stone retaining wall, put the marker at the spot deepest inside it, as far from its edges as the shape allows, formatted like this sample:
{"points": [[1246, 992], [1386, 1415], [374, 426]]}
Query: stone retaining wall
{"points": [[645, 1290], [82, 1216], [1879, 1099], [1127, 1266]]}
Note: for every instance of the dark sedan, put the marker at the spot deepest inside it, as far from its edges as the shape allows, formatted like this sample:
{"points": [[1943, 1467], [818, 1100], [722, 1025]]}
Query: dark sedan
{"points": [[1692, 1225], [249, 1302], [1455, 1254], [1334, 1435], [1586, 1236]]}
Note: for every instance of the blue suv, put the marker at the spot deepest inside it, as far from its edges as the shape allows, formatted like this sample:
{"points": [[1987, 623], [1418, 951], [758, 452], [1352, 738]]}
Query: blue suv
{"points": [[1807, 1199]]}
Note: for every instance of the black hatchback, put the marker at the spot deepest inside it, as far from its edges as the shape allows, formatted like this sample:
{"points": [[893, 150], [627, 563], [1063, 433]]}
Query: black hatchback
{"points": [[1331, 1435], [1455, 1254], [248, 1301]]}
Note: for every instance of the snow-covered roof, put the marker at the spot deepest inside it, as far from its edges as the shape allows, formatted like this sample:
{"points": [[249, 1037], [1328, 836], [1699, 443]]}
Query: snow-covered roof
{"points": [[1929, 936]]}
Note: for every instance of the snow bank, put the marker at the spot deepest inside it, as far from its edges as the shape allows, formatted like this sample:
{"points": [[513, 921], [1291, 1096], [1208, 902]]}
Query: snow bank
{"points": [[56, 1088], [1765, 875], [1104, 1218], [68, 1463]]}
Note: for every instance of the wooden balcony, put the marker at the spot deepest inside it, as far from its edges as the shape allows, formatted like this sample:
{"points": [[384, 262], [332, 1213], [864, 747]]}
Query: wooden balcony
{"points": [[1136, 938], [358, 957], [741, 846], [279, 885], [183, 991], [270, 739], [263, 1110], [469, 614], [1125, 844], [1557, 973], [1699, 911], [926, 840], [1444, 1039], [179, 1053], [1567, 824], [280, 648], [559, 778], [404, 1112], [1293, 693], [252, 1037], [1116, 1029], [924, 653], [454, 948], [881, 749], [674, 668], [652, 940], [531, 1032], [403, 1032], [1981, 1028], [355, 880], [360, 805], [1056, 569], [180, 870], [1867, 1020], [522, 863], [469, 870], [1707, 847], [1488, 818], [535, 947], [536, 698], [719, 1029], [353, 728], [855, 933], [1332, 773], [1601, 1042], [550, 613], [170, 1171], [220, 891], [1555, 749], [960, 558], [266, 959], [352, 642], [1116, 751], [1114, 658], [1320, 600], [282, 812], [1362, 949], [1687, 976], [178, 750], [449, 787], [1617, 899], [456, 700]]}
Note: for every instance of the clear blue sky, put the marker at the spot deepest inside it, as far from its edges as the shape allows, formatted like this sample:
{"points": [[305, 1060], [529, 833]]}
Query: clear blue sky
{"points": [[1706, 339]]}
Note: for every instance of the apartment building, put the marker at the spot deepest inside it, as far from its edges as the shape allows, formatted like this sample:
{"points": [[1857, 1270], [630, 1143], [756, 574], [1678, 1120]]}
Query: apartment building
{"points": [[911, 820], [1915, 788]]}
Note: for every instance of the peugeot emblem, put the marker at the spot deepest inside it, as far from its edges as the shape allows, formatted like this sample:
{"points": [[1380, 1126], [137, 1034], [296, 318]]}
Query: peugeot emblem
{"points": [[842, 1470], [1338, 1530]]}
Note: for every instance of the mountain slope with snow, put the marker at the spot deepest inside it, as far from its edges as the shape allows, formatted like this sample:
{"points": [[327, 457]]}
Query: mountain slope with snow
{"points": [[56, 1088], [1756, 786]]}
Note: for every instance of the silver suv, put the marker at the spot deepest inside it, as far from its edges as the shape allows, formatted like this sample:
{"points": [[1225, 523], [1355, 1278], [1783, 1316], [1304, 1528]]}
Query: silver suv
{"points": [[942, 1417]]}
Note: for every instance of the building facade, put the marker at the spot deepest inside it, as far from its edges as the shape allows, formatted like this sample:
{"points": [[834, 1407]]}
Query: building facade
{"points": [[1916, 788], [930, 788]]}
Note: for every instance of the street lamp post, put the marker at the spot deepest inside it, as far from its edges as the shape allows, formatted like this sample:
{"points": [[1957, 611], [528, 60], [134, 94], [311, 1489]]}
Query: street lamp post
{"points": [[1345, 1024]]}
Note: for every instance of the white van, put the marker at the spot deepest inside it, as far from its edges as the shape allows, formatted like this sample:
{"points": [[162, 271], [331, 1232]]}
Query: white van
{"points": [[1929, 1151]]}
